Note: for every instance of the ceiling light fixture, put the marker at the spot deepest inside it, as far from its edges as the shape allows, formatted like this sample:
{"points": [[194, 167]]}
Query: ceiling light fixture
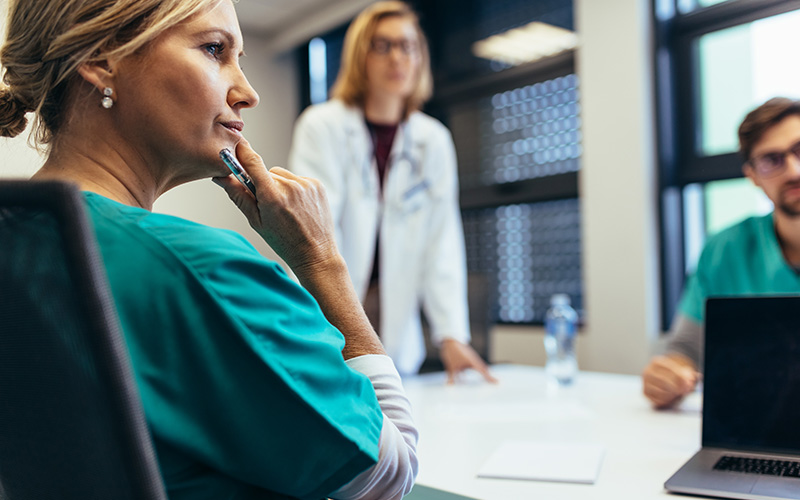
{"points": [[526, 44]]}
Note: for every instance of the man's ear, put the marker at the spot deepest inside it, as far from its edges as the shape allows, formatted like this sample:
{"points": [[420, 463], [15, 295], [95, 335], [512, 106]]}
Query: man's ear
{"points": [[748, 172], [99, 74]]}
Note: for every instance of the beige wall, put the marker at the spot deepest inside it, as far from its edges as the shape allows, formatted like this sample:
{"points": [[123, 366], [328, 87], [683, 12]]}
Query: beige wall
{"points": [[17, 159]]}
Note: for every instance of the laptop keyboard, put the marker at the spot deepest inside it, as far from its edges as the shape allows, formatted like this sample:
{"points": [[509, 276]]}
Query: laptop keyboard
{"points": [[788, 468]]}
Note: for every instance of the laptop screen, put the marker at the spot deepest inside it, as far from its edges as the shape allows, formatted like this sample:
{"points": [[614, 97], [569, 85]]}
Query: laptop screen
{"points": [[751, 382]]}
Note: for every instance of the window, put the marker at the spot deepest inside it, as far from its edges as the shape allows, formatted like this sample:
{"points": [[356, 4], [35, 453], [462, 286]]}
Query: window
{"points": [[729, 201], [739, 68], [531, 132], [320, 58], [533, 251], [716, 60], [686, 6], [713, 206], [318, 70]]}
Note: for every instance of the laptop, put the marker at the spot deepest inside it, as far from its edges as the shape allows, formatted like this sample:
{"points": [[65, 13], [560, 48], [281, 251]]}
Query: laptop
{"points": [[751, 402]]}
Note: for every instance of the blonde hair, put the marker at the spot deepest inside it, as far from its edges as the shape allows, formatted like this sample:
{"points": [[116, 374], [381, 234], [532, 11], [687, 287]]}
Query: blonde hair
{"points": [[48, 40], [351, 82]]}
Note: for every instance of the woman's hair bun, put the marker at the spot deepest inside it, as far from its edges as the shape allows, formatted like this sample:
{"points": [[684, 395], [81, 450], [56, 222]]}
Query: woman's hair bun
{"points": [[12, 114]]}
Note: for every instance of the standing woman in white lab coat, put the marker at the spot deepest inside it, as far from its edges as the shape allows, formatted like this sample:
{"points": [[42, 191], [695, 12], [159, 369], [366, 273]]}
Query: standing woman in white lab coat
{"points": [[392, 183]]}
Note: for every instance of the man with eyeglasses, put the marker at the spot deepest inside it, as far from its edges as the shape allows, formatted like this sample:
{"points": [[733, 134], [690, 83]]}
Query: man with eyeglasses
{"points": [[760, 255]]}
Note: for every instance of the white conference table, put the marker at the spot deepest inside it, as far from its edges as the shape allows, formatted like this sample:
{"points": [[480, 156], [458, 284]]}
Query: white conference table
{"points": [[461, 425]]}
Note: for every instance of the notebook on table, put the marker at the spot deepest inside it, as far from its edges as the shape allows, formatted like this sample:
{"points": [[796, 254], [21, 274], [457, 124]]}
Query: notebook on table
{"points": [[751, 402]]}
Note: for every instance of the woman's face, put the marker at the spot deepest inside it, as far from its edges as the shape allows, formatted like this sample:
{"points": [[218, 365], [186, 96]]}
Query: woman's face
{"points": [[393, 60], [179, 102]]}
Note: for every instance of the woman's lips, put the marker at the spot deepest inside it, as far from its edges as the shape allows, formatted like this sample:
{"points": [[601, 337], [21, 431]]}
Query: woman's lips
{"points": [[235, 127]]}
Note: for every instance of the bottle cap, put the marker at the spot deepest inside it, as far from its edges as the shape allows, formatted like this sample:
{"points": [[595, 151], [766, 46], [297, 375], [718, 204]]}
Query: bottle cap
{"points": [[559, 299]]}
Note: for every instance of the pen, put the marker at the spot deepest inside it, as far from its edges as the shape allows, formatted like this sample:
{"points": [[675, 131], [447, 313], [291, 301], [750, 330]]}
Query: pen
{"points": [[237, 169]]}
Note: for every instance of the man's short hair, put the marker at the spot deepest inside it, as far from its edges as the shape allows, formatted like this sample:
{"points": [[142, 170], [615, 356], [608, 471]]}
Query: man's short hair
{"points": [[761, 119]]}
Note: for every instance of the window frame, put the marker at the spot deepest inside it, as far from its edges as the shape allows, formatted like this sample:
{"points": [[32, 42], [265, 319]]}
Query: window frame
{"points": [[552, 187], [678, 121]]}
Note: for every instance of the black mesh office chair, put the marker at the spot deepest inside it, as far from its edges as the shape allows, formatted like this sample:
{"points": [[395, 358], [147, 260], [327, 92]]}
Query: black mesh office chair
{"points": [[71, 422]]}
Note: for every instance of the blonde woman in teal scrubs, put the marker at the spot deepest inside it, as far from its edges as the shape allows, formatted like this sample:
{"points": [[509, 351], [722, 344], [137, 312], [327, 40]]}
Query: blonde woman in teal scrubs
{"points": [[253, 386]]}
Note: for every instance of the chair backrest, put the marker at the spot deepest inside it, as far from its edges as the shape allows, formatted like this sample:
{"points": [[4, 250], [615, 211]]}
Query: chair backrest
{"points": [[71, 421]]}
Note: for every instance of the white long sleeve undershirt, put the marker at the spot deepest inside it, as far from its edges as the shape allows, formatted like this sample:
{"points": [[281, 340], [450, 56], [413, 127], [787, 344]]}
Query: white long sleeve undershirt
{"points": [[393, 476]]}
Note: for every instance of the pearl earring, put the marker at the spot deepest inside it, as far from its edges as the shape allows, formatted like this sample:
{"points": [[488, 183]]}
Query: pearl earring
{"points": [[107, 102]]}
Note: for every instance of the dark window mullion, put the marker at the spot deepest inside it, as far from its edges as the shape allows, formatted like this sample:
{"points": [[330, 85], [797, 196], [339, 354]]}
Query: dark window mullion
{"points": [[672, 252], [728, 15], [551, 187], [711, 168]]}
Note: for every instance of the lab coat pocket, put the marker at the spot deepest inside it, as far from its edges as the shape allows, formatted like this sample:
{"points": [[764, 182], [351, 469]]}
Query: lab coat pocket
{"points": [[415, 197]]}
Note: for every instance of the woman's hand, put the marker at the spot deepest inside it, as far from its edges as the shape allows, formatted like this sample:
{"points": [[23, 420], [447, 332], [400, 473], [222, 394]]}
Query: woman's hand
{"points": [[290, 212], [457, 357]]}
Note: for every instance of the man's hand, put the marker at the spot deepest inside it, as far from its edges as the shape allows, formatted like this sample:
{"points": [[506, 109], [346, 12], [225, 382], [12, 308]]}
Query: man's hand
{"points": [[458, 357], [667, 379]]}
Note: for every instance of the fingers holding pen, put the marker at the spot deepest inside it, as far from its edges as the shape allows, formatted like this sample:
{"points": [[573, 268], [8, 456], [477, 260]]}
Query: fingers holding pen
{"points": [[252, 162], [248, 160], [253, 198], [274, 181], [289, 211]]}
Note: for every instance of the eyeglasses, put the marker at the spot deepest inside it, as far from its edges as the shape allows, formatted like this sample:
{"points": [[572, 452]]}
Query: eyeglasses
{"points": [[384, 46], [772, 164]]}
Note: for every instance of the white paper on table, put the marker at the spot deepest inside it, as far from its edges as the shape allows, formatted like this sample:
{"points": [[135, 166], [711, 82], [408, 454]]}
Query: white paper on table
{"points": [[536, 461]]}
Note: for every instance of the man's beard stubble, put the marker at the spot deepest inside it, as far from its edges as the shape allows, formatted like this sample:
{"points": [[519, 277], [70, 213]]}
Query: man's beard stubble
{"points": [[789, 209]]}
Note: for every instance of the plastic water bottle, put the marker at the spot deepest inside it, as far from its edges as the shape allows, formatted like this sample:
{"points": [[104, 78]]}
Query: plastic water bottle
{"points": [[559, 341]]}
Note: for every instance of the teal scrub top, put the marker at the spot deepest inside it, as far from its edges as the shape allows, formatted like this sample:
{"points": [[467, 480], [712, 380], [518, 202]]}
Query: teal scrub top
{"points": [[242, 379], [744, 259]]}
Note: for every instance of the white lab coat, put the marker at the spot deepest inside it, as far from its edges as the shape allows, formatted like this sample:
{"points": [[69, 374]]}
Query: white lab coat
{"points": [[422, 252]]}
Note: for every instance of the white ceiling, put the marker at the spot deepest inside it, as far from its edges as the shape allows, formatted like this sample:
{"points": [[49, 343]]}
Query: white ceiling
{"points": [[284, 24], [266, 16]]}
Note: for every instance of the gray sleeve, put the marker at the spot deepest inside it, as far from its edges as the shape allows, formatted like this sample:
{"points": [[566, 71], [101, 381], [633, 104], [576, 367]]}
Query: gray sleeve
{"points": [[686, 338]]}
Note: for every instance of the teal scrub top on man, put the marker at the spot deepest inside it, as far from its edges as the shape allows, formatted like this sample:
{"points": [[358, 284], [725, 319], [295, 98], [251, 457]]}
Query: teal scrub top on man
{"points": [[744, 259], [242, 379]]}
